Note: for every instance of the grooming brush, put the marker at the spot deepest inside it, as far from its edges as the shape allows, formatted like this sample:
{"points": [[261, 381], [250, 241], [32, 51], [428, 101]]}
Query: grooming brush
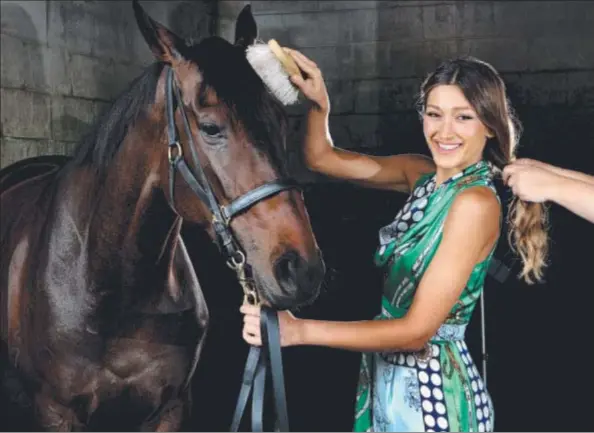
{"points": [[274, 67]]}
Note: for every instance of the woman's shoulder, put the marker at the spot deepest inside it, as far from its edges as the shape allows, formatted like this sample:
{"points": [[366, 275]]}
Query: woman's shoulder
{"points": [[478, 195], [475, 202]]}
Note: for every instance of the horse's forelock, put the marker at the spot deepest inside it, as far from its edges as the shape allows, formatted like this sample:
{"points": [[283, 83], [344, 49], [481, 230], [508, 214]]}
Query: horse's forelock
{"points": [[226, 70]]}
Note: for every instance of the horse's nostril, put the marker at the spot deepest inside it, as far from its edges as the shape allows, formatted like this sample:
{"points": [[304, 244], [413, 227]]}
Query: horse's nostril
{"points": [[298, 279], [287, 267]]}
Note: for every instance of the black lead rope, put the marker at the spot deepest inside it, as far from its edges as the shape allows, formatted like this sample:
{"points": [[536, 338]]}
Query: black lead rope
{"points": [[254, 376]]}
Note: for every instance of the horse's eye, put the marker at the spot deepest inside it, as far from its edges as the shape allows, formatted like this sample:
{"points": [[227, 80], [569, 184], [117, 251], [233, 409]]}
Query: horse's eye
{"points": [[210, 129]]}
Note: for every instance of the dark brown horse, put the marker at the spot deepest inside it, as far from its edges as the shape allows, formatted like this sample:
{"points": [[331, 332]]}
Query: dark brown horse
{"points": [[102, 314]]}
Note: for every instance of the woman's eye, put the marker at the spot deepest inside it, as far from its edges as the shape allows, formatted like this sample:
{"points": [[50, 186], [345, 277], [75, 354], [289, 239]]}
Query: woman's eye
{"points": [[432, 114], [210, 129], [465, 117]]}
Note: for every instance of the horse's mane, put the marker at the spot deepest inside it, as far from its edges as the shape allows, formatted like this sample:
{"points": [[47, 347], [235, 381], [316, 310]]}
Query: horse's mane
{"points": [[226, 70], [100, 144]]}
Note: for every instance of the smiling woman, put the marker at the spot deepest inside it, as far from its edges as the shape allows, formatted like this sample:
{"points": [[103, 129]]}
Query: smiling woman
{"points": [[416, 372], [454, 132]]}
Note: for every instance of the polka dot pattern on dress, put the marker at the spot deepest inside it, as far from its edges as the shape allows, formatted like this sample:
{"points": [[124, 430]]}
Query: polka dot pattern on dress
{"points": [[483, 410], [429, 373], [411, 213], [433, 407]]}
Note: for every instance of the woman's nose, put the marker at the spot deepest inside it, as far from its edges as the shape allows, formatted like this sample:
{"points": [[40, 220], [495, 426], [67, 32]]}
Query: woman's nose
{"points": [[446, 129]]}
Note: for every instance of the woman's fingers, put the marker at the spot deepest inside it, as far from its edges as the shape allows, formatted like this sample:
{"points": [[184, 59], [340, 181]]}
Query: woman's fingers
{"points": [[308, 69], [251, 339], [252, 329], [298, 80], [251, 324], [306, 65], [306, 60], [510, 180], [302, 57], [251, 320], [508, 172], [251, 310]]}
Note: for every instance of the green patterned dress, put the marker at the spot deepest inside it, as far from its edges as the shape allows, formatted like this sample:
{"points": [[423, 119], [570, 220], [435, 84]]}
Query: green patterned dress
{"points": [[439, 389]]}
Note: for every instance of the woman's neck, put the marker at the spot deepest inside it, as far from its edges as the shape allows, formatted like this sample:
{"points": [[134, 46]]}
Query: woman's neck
{"points": [[442, 175]]}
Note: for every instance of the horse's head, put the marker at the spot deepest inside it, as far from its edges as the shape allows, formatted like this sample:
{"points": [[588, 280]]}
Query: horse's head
{"points": [[235, 135]]}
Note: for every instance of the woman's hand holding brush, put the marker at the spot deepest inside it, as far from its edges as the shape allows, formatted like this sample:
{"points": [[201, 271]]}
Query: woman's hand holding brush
{"points": [[311, 83]]}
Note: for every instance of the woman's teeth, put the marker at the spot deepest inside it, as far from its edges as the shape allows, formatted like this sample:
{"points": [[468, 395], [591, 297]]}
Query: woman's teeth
{"points": [[444, 146]]}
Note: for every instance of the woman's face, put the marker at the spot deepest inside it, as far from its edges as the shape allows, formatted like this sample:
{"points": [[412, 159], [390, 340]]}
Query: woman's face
{"points": [[454, 133]]}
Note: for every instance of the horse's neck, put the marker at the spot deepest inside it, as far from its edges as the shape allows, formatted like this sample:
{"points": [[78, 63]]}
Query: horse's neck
{"points": [[131, 232]]}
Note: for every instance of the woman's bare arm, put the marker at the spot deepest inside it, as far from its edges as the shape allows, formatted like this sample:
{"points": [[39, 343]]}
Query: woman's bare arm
{"points": [[470, 231], [539, 183], [566, 172], [398, 172], [395, 172]]}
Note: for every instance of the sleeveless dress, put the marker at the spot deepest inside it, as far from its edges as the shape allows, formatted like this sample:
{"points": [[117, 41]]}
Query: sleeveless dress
{"points": [[439, 388]]}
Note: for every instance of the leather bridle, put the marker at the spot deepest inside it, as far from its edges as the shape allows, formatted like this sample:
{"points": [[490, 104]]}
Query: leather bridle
{"points": [[255, 367]]}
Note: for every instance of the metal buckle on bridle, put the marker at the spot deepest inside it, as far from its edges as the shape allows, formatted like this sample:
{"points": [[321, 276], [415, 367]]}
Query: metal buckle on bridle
{"points": [[179, 153], [225, 221], [250, 296]]}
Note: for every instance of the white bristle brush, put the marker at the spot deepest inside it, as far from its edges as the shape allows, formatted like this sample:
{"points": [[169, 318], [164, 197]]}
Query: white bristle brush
{"points": [[274, 67]]}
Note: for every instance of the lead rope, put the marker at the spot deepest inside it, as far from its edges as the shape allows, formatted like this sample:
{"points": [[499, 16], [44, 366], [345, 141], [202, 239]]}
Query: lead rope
{"points": [[254, 374]]}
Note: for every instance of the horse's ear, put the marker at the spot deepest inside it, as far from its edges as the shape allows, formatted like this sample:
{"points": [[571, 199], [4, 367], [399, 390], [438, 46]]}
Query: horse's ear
{"points": [[246, 29], [165, 45]]}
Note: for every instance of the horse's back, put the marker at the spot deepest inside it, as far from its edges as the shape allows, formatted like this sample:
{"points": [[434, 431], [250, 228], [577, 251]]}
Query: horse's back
{"points": [[30, 168], [22, 185]]}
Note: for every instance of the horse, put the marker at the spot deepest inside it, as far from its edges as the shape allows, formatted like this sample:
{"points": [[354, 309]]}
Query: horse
{"points": [[103, 316]]}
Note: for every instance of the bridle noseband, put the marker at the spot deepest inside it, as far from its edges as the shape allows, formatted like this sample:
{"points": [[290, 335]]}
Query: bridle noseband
{"points": [[255, 368]]}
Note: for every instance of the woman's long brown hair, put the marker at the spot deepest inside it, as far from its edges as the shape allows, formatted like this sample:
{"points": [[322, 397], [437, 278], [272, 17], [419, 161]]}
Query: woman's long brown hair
{"points": [[484, 88]]}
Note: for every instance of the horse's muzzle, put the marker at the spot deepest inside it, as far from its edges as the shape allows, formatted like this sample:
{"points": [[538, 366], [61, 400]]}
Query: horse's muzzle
{"points": [[299, 279]]}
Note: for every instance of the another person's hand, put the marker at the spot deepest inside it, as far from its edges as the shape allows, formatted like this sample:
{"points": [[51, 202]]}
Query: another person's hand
{"points": [[289, 326], [312, 86], [530, 180], [533, 162], [537, 163]]}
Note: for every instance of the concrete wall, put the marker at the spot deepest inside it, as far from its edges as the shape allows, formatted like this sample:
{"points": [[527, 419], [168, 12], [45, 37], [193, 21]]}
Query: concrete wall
{"points": [[374, 55], [63, 62]]}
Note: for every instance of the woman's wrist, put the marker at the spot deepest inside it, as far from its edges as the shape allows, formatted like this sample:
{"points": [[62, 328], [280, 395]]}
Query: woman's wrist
{"points": [[299, 337], [322, 108]]}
